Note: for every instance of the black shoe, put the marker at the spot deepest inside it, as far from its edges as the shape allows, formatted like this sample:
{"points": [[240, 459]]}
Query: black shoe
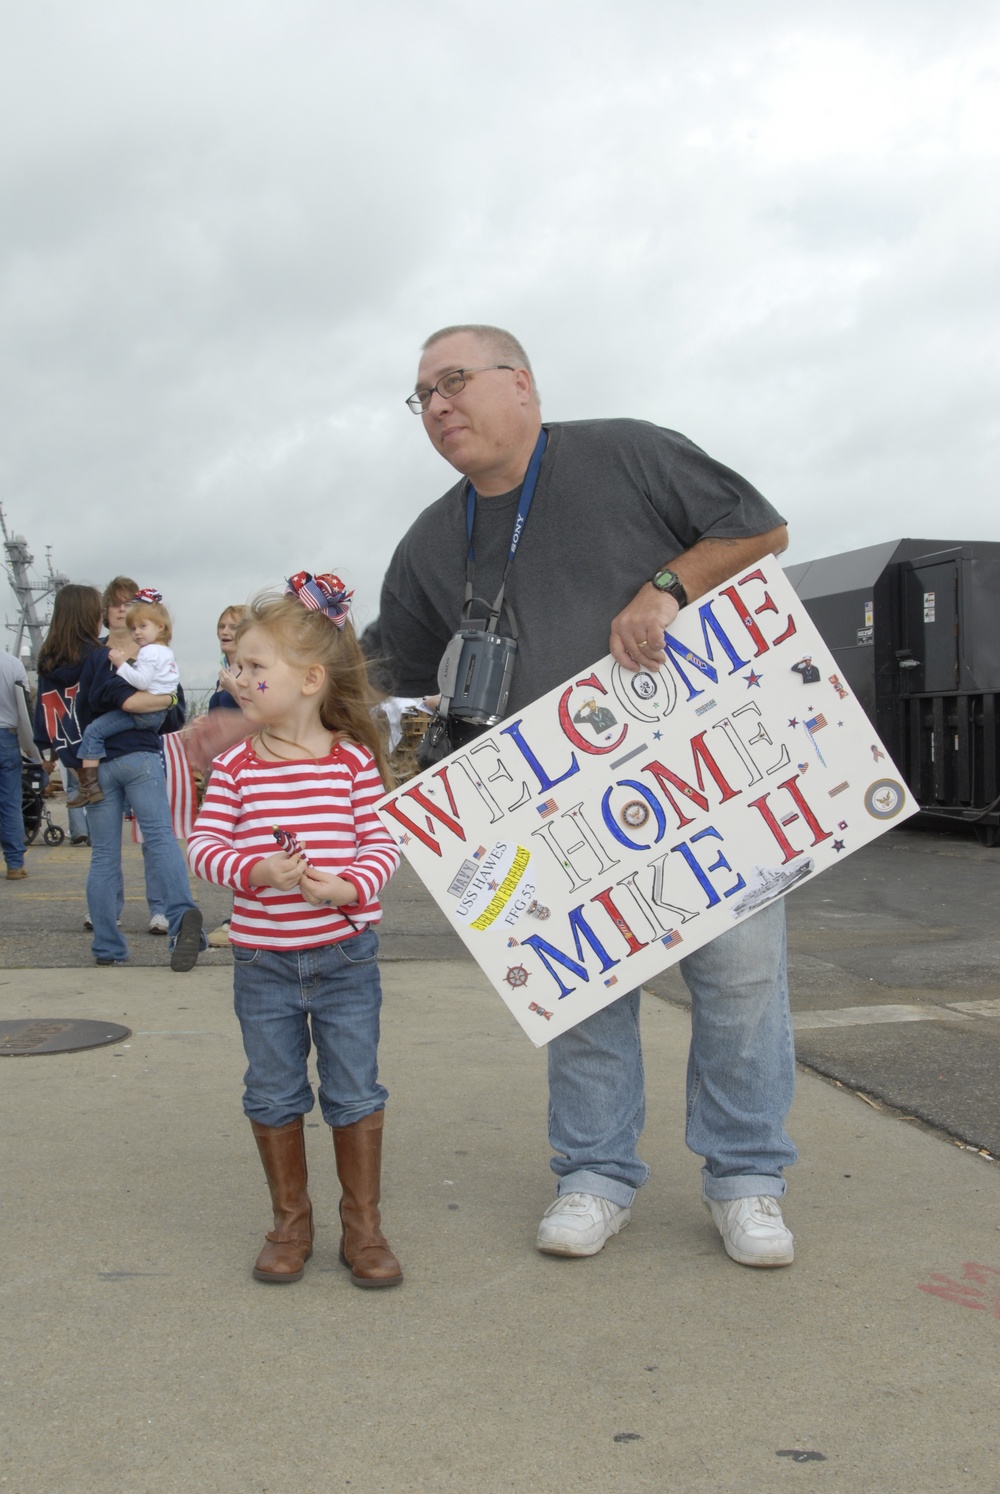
{"points": [[80, 840], [110, 962], [187, 945]]}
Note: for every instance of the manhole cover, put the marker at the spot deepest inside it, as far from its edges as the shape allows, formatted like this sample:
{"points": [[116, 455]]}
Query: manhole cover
{"points": [[29, 1035]]}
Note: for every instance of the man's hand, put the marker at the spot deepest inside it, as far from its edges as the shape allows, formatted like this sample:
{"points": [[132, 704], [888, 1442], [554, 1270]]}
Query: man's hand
{"points": [[637, 632]]}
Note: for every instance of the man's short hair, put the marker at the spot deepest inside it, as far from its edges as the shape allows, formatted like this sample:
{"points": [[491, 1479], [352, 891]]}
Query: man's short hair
{"points": [[504, 344]]}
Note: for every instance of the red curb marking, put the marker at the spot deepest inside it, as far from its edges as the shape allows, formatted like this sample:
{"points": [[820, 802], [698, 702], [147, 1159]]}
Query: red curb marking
{"points": [[969, 1292]]}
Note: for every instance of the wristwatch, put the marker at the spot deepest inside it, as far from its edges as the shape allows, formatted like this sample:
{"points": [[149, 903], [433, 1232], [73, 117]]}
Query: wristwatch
{"points": [[669, 581]]}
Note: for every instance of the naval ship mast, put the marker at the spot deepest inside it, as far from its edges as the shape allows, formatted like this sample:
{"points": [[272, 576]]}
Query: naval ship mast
{"points": [[28, 593]]}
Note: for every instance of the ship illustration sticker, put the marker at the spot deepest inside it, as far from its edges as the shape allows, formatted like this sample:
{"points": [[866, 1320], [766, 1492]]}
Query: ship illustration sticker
{"points": [[884, 799], [765, 883], [644, 685]]}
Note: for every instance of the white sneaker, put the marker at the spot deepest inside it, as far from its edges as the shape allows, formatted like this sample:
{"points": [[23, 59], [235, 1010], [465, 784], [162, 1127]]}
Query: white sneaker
{"points": [[158, 924], [752, 1230], [580, 1224]]}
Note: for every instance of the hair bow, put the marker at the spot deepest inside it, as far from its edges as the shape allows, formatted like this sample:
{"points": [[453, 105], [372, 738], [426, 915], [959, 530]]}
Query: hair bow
{"points": [[325, 593], [148, 594]]}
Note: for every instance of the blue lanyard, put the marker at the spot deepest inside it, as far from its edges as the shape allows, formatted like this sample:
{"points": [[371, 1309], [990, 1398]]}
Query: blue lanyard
{"points": [[523, 503]]}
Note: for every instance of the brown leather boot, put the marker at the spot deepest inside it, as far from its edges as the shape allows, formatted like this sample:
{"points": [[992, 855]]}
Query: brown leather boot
{"points": [[289, 1245], [363, 1247], [89, 792]]}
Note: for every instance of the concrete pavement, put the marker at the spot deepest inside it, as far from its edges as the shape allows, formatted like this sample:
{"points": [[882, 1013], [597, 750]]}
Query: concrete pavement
{"points": [[139, 1355]]}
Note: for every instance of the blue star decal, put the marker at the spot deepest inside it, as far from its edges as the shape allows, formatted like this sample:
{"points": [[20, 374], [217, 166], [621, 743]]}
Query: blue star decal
{"points": [[752, 679], [262, 685], [657, 735]]}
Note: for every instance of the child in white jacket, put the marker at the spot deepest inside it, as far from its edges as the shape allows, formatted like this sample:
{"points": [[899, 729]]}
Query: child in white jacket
{"points": [[154, 669]]}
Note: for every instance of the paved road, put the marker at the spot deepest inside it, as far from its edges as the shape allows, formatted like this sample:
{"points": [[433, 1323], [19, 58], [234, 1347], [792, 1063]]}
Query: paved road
{"points": [[894, 960]]}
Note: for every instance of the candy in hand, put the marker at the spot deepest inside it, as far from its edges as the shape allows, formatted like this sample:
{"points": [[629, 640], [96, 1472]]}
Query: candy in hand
{"points": [[289, 841]]}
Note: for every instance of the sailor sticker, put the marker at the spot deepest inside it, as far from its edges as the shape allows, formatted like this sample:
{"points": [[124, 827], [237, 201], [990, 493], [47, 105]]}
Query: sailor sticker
{"points": [[644, 685], [884, 799], [807, 669], [597, 717]]}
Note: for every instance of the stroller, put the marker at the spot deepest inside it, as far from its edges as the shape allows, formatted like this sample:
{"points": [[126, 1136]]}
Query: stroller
{"points": [[33, 810]]}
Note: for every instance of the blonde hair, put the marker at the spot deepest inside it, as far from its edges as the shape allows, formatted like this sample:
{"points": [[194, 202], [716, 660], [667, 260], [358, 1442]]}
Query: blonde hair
{"points": [[304, 637], [153, 612], [236, 613]]}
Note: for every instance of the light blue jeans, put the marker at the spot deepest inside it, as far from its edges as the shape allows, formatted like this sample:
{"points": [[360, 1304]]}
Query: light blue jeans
{"points": [[336, 990], [77, 817], [740, 1076], [11, 818], [138, 779], [112, 724]]}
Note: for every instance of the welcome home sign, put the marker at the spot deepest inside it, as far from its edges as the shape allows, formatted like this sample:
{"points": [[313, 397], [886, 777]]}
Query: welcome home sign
{"points": [[625, 819]]}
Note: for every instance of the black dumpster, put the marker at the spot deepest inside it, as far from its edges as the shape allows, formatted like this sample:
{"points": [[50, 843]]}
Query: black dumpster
{"points": [[914, 626]]}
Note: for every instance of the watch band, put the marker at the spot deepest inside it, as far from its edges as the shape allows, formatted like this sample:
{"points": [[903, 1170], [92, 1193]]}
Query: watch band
{"points": [[669, 581]]}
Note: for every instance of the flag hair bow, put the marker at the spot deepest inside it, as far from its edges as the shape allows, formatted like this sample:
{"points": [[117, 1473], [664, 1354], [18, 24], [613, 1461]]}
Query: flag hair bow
{"points": [[148, 594], [326, 594]]}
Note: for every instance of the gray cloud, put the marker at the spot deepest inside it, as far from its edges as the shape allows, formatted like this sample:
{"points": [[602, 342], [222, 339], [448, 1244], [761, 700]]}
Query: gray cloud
{"points": [[227, 228]]}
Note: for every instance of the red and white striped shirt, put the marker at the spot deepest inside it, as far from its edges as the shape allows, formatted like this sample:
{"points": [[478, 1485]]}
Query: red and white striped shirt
{"points": [[327, 804]]}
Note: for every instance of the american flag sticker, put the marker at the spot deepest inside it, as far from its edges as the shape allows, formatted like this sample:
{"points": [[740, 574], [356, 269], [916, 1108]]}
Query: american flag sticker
{"points": [[547, 807], [815, 723]]}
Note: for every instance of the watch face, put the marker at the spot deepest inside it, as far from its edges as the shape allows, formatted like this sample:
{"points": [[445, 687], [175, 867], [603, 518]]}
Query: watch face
{"points": [[665, 579]]}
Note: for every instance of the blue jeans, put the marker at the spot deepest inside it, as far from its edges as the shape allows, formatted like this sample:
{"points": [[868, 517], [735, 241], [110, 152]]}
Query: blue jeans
{"points": [[278, 994], [111, 724], [11, 819], [740, 1077], [77, 817], [137, 778]]}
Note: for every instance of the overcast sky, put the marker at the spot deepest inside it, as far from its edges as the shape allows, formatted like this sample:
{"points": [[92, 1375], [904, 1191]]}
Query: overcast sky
{"points": [[227, 225]]}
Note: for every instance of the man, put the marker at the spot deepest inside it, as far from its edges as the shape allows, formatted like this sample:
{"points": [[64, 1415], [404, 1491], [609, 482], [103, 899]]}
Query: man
{"points": [[627, 524], [13, 713]]}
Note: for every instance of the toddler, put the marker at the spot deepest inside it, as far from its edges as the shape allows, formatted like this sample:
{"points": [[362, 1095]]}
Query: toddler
{"points": [[288, 824]]}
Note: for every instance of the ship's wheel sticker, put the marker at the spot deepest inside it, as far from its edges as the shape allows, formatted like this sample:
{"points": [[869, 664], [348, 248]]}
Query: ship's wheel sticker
{"points": [[516, 976]]}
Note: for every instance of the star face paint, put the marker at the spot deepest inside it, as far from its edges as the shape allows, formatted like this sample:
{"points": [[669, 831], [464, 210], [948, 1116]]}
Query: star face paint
{"points": [[268, 687]]}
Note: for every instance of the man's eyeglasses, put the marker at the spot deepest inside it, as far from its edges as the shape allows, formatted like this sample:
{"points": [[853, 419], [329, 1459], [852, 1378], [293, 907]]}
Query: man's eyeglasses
{"points": [[449, 386]]}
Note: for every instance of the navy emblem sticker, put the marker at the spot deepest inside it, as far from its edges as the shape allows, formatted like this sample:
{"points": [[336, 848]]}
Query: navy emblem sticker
{"points": [[884, 799]]}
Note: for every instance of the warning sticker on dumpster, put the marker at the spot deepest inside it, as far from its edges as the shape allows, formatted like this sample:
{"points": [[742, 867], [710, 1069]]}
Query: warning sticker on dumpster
{"points": [[625, 819]]}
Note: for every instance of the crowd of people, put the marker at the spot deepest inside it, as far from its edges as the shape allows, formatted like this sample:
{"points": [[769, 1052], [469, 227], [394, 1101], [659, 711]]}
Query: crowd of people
{"points": [[296, 762]]}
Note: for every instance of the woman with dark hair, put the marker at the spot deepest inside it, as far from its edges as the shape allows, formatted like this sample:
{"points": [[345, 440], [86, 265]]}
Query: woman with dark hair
{"points": [[75, 684]]}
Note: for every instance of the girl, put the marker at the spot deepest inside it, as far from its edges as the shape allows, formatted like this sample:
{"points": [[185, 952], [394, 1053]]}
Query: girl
{"points": [[288, 823], [154, 669]]}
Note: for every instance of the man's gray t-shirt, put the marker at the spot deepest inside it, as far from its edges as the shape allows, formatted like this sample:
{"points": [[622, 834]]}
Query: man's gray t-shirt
{"points": [[615, 500]]}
